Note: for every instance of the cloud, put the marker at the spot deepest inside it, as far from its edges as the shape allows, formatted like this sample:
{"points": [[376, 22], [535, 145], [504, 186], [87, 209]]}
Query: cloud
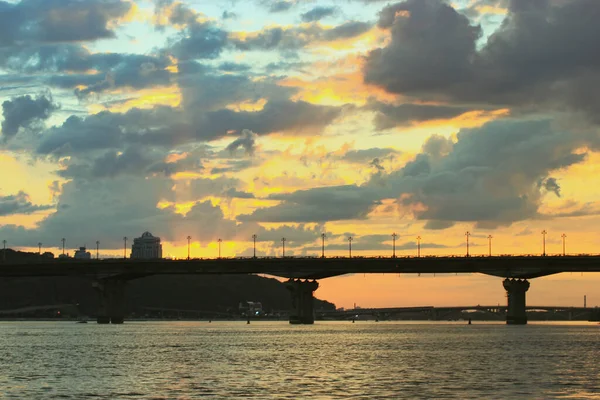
{"points": [[551, 185], [390, 116], [278, 6], [422, 31], [25, 112], [541, 58], [489, 176], [246, 141], [334, 203], [365, 155], [318, 13], [52, 21], [297, 37], [19, 204]]}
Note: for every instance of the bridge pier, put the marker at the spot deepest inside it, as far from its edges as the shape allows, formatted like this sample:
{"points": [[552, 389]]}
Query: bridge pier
{"points": [[302, 311], [111, 296], [515, 293]]}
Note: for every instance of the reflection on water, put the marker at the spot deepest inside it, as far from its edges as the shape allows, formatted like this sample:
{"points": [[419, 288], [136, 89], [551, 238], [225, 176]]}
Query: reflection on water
{"points": [[276, 360]]}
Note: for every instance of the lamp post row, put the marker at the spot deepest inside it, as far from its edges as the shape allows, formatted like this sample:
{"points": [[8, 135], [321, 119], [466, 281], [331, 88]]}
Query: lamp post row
{"points": [[323, 236]]}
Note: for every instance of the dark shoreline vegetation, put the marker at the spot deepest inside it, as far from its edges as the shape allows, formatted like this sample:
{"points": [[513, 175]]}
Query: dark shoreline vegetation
{"points": [[194, 296]]}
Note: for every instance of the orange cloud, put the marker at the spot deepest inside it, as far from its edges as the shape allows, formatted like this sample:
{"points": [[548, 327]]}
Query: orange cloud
{"points": [[248, 106], [339, 82], [146, 98]]}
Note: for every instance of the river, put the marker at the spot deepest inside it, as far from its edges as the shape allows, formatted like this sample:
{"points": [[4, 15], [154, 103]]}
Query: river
{"points": [[275, 360]]}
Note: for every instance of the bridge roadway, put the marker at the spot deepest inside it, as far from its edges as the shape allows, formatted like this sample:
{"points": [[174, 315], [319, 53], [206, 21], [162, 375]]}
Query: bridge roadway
{"points": [[110, 276], [523, 267], [444, 312]]}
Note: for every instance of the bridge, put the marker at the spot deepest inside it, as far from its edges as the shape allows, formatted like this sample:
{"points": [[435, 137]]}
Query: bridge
{"points": [[109, 277], [457, 312]]}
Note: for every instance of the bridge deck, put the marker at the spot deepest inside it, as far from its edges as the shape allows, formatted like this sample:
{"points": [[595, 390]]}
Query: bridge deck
{"points": [[308, 268]]}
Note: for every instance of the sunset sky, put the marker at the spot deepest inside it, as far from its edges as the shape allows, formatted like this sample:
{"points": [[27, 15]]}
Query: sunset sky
{"points": [[224, 119]]}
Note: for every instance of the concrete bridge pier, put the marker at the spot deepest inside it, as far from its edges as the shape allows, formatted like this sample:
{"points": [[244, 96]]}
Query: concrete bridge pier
{"points": [[515, 293], [111, 296], [302, 311]]}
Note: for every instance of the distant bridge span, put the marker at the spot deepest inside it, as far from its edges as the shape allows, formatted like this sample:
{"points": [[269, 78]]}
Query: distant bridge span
{"points": [[111, 275]]}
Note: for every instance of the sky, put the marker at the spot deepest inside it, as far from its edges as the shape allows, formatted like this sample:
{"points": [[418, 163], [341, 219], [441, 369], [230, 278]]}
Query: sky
{"points": [[293, 118]]}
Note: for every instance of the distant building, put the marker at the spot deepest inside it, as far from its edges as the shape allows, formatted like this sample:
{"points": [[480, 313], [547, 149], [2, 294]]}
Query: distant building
{"points": [[81, 254], [251, 308], [146, 247]]}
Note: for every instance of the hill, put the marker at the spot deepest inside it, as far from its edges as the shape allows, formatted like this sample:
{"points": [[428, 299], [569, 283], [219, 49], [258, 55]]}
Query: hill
{"points": [[204, 294]]}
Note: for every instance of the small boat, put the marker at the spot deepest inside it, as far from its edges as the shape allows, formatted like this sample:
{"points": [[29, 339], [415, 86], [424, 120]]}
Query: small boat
{"points": [[82, 322]]}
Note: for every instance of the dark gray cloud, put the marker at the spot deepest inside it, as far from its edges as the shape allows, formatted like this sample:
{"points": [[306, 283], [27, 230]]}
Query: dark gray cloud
{"points": [[200, 40], [277, 6], [19, 204], [45, 21], [318, 13], [390, 116], [316, 205], [298, 37], [422, 31], [551, 185], [542, 58], [68, 66], [246, 141], [25, 111], [490, 176], [234, 67], [132, 161], [365, 155]]}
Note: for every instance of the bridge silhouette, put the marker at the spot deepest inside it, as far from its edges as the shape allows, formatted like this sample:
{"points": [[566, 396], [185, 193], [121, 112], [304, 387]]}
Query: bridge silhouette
{"points": [[456, 312], [110, 276]]}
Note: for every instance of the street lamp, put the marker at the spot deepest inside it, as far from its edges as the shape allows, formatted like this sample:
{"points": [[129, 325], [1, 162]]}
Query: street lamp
{"points": [[189, 238], [63, 243], [254, 243], [283, 246], [97, 249], [490, 245], [467, 234], [40, 248], [394, 236], [418, 246], [219, 241], [544, 242], [323, 236], [350, 246], [564, 236], [124, 247]]}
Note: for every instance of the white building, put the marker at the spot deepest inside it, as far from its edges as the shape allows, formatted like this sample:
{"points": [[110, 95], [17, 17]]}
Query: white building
{"points": [[146, 247], [81, 254]]}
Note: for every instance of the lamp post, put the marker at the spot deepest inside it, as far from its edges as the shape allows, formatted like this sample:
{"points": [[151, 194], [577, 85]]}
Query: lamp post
{"points": [[350, 246], [544, 242], [564, 236], [189, 238], [323, 236], [39, 248], [490, 245], [283, 246], [254, 243], [467, 234], [124, 247], [219, 241], [4, 250], [97, 249], [394, 236], [418, 246], [63, 243]]}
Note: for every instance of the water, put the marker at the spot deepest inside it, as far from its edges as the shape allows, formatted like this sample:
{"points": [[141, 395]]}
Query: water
{"points": [[186, 360]]}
